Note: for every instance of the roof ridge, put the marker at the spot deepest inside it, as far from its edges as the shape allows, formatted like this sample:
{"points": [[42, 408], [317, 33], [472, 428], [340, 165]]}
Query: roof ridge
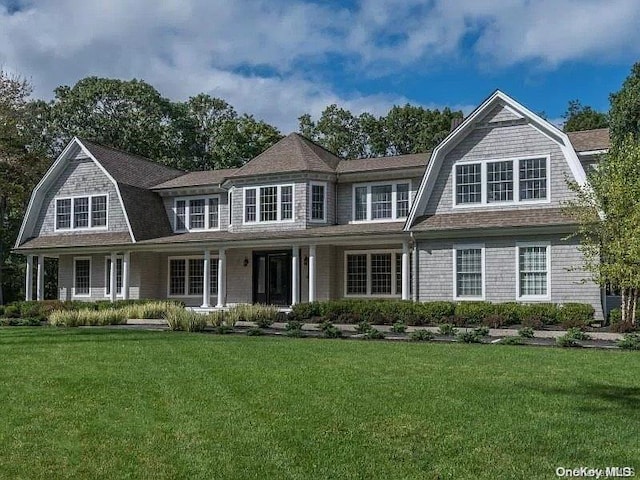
{"points": [[308, 140]]}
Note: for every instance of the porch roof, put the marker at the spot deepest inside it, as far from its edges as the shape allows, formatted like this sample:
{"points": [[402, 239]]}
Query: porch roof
{"points": [[78, 240]]}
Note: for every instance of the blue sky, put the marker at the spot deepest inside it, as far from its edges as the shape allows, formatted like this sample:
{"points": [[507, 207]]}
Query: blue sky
{"points": [[279, 59]]}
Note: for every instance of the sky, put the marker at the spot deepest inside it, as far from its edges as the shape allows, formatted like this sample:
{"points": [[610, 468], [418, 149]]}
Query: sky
{"points": [[279, 59]]}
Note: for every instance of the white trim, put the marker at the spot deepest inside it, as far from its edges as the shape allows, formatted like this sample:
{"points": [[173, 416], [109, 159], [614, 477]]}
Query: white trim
{"points": [[593, 152], [533, 298], [186, 258], [515, 162], [73, 228], [324, 208], [107, 272], [466, 246], [394, 293], [187, 220], [394, 200], [73, 286], [433, 167], [279, 219]]}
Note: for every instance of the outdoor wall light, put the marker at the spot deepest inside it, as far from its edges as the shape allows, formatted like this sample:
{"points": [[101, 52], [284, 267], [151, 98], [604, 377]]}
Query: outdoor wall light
{"points": [[246, 262], [306, 261]]}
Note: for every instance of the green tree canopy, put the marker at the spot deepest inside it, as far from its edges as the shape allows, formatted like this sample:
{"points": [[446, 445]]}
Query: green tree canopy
{"points": [[583, 117], [624, 115]]}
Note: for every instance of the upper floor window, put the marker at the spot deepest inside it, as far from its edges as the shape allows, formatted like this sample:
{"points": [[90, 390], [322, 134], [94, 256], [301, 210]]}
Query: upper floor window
{"points": [[81, 212], [271, 203], [381, 201], [197, 213], [503, 181], [318, 202]]}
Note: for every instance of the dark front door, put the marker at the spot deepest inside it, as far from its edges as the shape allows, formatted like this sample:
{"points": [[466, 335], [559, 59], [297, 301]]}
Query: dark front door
{"points": [[272, 278]]}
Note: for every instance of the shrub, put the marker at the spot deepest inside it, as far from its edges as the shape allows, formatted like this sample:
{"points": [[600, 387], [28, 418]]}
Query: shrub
{"points": [[263, 315], [215, 318], [496, 320], [1, 310], [148, 310], [282, 317], [433, 313], [456, 320], [573, 315], [534, 321], [293, 325], [473, 336], [306, 311], [447, 329], [512, 341], [255, 331], [566, 341], [224, 329], [264, 322], [12, 311], [330, 330], [510, 311], [630, 342], [473, 312], [525, 332], [20, 322], [577, 334], [547, 313], [76, 318], [174, 317], [421, 336], [615, 316], [373, 334], [194, 322], [623, 327], [399, 327], [363, 327]]}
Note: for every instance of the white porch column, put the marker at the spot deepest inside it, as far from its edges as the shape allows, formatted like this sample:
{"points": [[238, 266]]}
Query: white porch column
{"points": [[112, 278], [312, 273], [126, 260], [40, 279], [405, 270], [295, 275], [28, 287], [206, 280], [222, 277]]}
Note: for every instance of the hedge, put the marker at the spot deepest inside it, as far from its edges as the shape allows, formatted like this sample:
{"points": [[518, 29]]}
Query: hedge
{"points": [[388, 312]]}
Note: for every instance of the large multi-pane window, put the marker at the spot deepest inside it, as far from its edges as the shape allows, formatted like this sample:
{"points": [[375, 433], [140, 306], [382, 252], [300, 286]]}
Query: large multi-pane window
{"points": [[468, 267], [377, 273], [468, 183], [197, 213], [107, 271], [388, 201], [515, 180], [268, 204], [318, 199], [533, 179], [82, 276], [81, 212], [533, 271], [186, 276], [499, 181]]}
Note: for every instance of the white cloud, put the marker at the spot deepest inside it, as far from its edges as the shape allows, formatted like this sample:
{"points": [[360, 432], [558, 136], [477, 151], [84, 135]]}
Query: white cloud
{"points": [[184, 47]]}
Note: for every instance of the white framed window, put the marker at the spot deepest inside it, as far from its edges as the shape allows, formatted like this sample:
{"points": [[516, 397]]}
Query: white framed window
{"points": [[81, 212], [469, 272], [504, 181], [185, 276], [533, 262], [372, 273], [318, 201], [196, 213], [381, 202], [82, 276], [107, 276], [268, 204]]}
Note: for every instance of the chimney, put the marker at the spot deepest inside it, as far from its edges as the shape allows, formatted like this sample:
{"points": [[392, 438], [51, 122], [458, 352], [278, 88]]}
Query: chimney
{"points": [[455, 122]]}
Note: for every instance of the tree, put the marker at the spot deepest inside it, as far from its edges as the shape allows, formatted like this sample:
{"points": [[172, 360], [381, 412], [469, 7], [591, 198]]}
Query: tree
{"points": [[624, 115], [609, 222], [579, 117], [337, 130]]}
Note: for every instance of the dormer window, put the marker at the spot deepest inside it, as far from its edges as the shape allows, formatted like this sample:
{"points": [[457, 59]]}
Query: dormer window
{"points": [[196, 213], [272, 203], [81, 213], [318, 202], [381, 201]]}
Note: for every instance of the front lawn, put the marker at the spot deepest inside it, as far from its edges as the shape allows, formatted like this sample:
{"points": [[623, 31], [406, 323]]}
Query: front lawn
{"points": [[135, 404]]}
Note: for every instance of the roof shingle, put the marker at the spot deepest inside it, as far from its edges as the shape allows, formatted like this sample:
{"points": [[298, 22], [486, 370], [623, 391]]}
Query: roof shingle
{"points": [[196, 179], [384, 163], [77, 240], [589, 140]]}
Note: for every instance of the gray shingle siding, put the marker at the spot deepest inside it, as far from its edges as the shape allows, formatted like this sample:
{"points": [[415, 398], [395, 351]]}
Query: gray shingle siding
{"points": [[501, 142], [436, 271], [80, 177]]}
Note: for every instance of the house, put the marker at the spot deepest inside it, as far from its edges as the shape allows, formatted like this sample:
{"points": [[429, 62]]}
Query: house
{"points": [[479, 218]]}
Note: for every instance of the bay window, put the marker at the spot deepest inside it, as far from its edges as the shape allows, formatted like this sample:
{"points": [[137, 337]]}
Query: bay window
{"points": [[317, 202], [271, 203], [196, 213]]}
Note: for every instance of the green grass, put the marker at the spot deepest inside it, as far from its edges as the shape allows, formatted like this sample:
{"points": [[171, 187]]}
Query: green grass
{"points": [[134, 404]]}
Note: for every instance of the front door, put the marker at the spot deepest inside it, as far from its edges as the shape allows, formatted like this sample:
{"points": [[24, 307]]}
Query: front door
{"points": [[272, 278]]}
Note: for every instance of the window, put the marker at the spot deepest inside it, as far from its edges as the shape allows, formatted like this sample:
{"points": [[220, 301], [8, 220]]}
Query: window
{"points": [[318, 205], [533, 271], [197, 213], [63, 213], [468, 183], [380, 202], [506, 181], [81, 212], [499, 181], [107, 269], [469, 263], [82, 276], [186, 276], [268, 204], [375, 273], [533, 179]]}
